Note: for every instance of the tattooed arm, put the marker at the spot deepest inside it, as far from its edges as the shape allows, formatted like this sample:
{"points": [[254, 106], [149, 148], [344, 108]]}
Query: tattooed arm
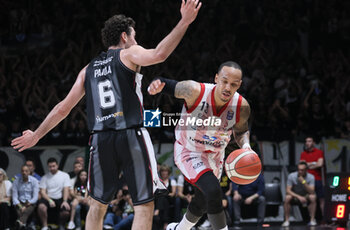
{"points": [[241, 129], [188, 90]]}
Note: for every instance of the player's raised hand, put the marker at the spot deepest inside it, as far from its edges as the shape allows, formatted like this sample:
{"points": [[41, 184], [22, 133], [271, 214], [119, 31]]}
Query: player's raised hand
{"points": [[155, 87], [27, 140], [189, 10]]}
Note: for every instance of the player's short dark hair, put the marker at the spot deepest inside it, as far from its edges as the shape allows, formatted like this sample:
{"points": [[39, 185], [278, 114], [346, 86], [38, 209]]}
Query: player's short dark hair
{"points": [[51, 160], [114, 27], [229, 64]]}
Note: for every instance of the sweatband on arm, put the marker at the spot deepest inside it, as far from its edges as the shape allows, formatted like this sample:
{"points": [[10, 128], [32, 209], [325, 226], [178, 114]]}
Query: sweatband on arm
{"points": [[169, 87]]}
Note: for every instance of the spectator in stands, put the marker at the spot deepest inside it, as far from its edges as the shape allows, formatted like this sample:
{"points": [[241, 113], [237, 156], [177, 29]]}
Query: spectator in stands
{"points": [[54, 189], [5, 200], [121, 214], [80, 201], [253, 193], [165, 204], [314, 159], [25, 191], [31, 166], [300, 190], [77, 167], [226, 187], [185, 193]]}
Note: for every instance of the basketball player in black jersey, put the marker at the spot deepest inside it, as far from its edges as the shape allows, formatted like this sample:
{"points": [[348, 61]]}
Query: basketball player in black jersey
{"points": [[112, 84]]}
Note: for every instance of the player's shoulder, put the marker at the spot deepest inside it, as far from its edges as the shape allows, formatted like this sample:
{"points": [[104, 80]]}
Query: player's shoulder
{"points": [[244, 107], [244, 101], [209, 86]]}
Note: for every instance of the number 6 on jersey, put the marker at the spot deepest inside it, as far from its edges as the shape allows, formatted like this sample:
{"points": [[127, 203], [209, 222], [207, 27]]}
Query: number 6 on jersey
{"points": [[107, 99]]}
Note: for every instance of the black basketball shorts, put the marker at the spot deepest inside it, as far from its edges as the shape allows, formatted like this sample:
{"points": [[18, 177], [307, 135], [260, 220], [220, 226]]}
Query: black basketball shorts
{"points": [[112, 152]]}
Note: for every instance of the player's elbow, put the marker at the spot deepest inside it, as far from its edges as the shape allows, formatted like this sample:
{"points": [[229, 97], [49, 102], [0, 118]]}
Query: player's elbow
{"points": [[160, 56], [62, 110]]}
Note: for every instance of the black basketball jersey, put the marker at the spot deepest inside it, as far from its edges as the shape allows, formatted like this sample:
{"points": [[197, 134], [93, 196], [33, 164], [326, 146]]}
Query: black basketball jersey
{"points": [[113, 94]]}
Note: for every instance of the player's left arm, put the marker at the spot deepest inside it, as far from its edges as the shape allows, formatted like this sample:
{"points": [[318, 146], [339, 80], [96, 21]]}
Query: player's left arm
{"points": [[241, 129], [56, 115]]}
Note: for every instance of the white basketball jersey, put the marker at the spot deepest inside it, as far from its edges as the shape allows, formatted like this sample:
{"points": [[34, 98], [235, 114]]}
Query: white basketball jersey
{"points": [[202, 127]]}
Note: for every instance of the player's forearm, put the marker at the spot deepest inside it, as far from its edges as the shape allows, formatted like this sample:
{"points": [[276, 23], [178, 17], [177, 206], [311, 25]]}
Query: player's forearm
{"points": [[170, 42], [242, 138], [57, 114]]}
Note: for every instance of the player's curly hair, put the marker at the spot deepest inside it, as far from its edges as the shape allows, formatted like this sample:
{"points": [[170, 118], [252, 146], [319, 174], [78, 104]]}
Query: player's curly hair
{"points": [[114, 27]]}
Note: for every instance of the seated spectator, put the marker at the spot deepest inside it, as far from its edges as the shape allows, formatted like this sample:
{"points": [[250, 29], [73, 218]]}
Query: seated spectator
{"points": [[54, 189], [227, 200], [25, 191], [76, 168], [121, 213], [31, 166], [165, 203], [5, 200], [300, 190], [185, 193], [79, 194], [252, 193]]}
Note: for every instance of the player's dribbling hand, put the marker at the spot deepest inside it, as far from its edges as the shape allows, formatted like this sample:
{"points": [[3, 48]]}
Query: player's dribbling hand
{"points": [[189, 10], [27, 140], [155, 87]]}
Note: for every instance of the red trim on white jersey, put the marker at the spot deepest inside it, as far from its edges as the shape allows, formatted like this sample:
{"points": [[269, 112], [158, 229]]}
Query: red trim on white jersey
{"points": [[198, 100], [238, 108], [214, 106], [193, 181]]}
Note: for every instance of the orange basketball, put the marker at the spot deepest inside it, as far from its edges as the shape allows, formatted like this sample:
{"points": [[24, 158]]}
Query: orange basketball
{"points": [[243, 166]]}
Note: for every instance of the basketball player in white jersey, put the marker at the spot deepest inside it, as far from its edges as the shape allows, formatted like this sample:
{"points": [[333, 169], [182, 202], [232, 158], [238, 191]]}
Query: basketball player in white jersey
{"points": [[211, 113]]}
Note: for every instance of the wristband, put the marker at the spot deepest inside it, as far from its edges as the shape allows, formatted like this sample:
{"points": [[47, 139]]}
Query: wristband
{"points": [[50, 201], [169, 87], [246, 146]]}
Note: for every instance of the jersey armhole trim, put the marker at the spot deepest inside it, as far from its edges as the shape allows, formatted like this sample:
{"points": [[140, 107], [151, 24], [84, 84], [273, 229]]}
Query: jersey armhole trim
{"points": [[196, 103], [238, 108]]}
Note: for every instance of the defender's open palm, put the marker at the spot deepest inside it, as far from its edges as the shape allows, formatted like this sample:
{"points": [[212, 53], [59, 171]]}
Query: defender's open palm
{"points": [[189, 10], [27, 140]]}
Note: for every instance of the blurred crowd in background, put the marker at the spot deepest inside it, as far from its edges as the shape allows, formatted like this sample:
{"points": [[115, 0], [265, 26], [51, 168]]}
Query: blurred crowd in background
{"points": [[294, 55]]}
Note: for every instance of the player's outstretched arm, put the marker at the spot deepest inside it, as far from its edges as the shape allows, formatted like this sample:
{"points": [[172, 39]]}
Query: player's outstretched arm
{"points": [[241, 129], [137, 55], [57, 114]]}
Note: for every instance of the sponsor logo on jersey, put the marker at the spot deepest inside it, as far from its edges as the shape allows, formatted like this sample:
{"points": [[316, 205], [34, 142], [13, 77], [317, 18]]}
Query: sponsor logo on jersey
{"points": [[103, 62], [215, 144], [230, 114], [112, 115], [197, 165]]}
